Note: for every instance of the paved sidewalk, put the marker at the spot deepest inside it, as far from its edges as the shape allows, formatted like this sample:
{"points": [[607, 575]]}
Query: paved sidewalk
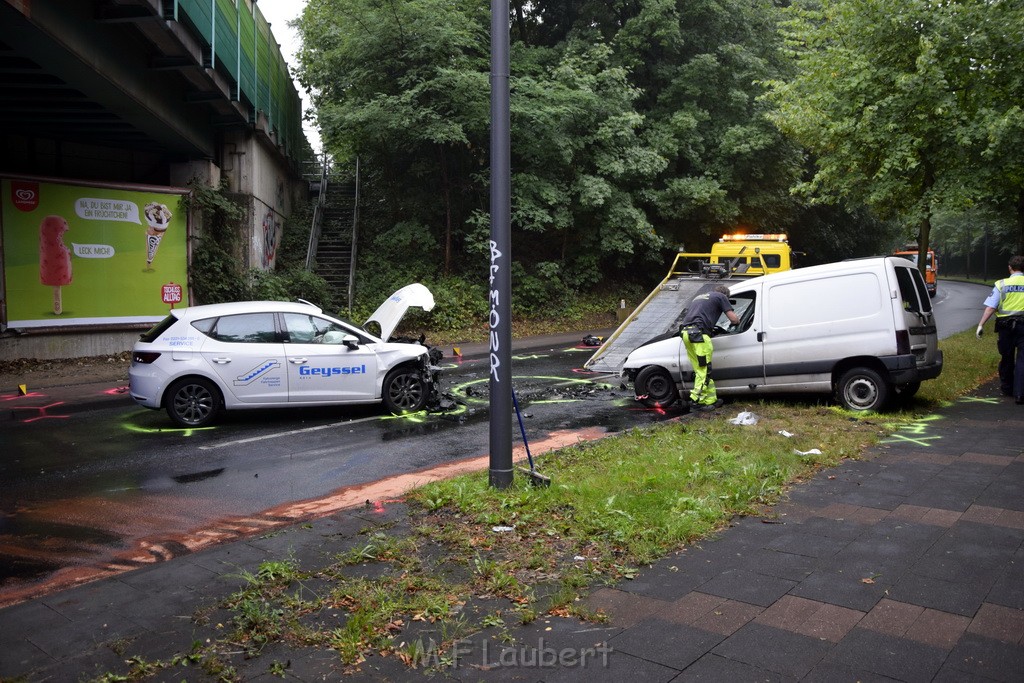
{"points": [[906, 565]]}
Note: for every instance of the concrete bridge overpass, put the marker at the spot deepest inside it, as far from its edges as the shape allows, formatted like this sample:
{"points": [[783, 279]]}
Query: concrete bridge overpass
{"points": [[145, 94]]}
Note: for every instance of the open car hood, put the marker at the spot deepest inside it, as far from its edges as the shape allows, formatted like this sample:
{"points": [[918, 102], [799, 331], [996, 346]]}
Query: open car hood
{"points": [[391, 312]]}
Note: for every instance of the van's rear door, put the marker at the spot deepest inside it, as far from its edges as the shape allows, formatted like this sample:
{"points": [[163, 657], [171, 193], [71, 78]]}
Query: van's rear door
{"points": [[916, 315]]}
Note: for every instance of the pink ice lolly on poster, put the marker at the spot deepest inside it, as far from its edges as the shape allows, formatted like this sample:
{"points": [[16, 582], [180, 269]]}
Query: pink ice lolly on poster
{"points": [[54, 257]]}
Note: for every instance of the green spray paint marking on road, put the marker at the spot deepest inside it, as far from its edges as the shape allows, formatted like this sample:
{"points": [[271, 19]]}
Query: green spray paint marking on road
{"points": [[915, 432], [184, 431], [906, 432], [417, 417]]}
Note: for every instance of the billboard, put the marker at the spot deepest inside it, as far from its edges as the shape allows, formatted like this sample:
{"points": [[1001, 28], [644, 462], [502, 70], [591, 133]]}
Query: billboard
{"points": [[91, 254]]}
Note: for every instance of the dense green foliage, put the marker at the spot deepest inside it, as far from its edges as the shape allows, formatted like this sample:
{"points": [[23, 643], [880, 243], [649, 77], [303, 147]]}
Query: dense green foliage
{"points": [[637, 127], [911, 108], [640, 127], [216, 270]]}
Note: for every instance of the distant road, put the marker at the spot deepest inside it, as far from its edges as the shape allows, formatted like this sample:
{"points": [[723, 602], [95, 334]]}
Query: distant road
{"points": [[958, 306]]}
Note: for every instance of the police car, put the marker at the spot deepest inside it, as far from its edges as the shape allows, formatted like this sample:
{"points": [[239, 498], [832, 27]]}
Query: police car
{"points": [[263, 354]]}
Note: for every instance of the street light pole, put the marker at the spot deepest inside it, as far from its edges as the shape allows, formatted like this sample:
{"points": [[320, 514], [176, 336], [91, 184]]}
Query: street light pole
{"points": [[500, 273]]}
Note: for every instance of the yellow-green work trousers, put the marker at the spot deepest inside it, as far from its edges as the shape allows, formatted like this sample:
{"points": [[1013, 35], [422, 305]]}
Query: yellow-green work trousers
{"points": [[699, 353]]}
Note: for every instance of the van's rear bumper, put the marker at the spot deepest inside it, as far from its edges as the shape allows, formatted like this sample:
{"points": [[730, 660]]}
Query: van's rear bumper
{"points": [[904, 368]]}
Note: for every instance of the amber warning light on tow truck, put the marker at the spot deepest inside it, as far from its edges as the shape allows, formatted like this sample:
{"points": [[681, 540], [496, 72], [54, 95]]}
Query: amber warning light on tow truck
{"points": [[758, 237]]}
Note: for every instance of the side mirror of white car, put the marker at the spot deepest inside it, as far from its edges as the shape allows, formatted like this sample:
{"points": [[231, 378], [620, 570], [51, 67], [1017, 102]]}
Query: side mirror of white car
{"points": [[351, 341]]}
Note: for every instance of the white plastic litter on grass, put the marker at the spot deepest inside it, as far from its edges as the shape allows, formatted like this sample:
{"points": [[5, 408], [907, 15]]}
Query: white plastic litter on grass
{"points": [[745, 418], [502, 529], [786, 434], [813, 451]]}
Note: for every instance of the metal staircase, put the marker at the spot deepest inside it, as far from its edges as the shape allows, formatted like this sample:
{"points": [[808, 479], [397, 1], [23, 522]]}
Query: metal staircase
{"points": [[333, 241]]}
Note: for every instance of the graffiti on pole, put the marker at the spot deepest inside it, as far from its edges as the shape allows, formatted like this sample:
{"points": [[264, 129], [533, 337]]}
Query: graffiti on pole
{"points": [[495, 318]]}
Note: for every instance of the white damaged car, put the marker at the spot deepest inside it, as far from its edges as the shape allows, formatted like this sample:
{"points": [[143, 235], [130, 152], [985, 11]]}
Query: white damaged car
{"points": [[263, 354]]}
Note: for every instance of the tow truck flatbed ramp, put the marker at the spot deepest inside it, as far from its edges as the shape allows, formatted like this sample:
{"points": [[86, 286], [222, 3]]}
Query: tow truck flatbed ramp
{"points": [[735, 258], [660, 313]]}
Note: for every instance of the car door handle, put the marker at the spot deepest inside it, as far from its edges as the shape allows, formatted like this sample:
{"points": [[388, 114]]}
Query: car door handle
{"points": [[760, 336], [298, 361], [220, 361]]}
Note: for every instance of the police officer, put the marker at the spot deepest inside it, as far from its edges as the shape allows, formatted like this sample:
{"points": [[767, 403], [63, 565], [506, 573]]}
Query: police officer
{"points": [[695, 329], [1007, 302]]}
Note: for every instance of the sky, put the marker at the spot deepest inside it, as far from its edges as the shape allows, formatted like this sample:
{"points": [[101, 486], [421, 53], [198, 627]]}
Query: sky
{"points": [[278, 13]]}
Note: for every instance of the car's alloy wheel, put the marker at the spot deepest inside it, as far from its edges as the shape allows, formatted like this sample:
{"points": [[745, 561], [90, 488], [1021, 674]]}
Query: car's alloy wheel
{"points": [[404, 391], [192, 402]]}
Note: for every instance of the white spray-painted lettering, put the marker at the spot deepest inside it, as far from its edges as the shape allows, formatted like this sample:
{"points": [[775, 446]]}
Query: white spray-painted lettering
{"points": [[495, 319]]}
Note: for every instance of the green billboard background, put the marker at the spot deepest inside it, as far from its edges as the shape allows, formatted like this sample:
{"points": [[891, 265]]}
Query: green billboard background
{"points": [[107, 235]]}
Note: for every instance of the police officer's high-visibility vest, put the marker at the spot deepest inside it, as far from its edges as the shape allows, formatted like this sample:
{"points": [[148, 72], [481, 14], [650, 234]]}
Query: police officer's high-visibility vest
{"points": [[1011, 296]]}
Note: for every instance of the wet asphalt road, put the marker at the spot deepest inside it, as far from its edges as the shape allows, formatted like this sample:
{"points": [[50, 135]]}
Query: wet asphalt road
{"points": [[79, 490]]}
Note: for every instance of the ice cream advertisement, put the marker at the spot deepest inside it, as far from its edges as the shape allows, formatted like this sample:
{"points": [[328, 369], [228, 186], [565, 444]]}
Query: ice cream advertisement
{"points": [[83, 255]]}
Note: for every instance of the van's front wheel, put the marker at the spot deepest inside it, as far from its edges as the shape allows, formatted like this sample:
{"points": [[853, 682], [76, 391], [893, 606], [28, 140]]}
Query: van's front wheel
{"points": [[862, 389], [654, 387]]}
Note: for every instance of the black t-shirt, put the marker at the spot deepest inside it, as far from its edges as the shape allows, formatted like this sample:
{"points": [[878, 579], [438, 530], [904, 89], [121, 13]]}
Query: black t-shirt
{"points": [[705, 310]]}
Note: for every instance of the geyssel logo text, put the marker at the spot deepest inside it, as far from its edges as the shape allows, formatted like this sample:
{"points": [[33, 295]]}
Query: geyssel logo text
{"points": [[306, 371]]}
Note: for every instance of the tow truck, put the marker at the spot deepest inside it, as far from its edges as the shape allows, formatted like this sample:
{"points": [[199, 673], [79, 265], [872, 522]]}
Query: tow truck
{"points": [[910, 252], [732, 258]]}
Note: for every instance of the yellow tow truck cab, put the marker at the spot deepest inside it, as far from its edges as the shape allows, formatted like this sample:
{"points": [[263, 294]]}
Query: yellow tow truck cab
{"points": [[762, 253], [741, 254]]}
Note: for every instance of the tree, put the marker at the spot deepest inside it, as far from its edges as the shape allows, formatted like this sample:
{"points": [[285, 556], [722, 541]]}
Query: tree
{"points": [[403, 84], [996, 44], [978, 241], [635, 124], [880, 98], [582, 161]]}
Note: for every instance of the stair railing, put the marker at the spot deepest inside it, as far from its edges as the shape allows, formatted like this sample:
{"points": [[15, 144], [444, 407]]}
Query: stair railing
{"points": [[318, 214], [355, 242]]}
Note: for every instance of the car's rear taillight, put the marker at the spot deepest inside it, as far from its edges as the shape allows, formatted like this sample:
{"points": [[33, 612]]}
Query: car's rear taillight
{"points": [[144, 357], [902, 342]]}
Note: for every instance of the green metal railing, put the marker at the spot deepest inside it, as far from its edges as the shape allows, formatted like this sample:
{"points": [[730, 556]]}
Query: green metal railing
{"points": [[241, 46]]}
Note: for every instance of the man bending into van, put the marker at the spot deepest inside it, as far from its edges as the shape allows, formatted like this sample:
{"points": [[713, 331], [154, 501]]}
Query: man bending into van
{"points": [[696, 327], [1007, 302]]}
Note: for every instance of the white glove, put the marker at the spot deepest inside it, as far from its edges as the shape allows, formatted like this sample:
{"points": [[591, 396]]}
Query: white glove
{"points": [[979, 332]]}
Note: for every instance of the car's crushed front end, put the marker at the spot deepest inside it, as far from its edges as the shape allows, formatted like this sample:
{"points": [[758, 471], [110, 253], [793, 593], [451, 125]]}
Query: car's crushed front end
{"points": [[431, 374]]}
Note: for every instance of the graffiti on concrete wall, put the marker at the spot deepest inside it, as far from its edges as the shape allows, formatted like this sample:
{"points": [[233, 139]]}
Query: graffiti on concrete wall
{"points": [[270, 238], [270, 229]]}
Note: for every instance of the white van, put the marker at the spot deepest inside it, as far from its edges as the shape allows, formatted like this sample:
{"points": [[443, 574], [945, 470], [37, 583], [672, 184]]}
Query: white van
{"points": [[862, 330]]}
